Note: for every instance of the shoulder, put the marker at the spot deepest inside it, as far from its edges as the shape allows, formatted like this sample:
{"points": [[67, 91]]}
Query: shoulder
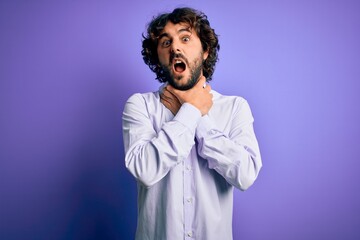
{"points": [[143, 104], [229, 100], [142, 98], [235, 106]]}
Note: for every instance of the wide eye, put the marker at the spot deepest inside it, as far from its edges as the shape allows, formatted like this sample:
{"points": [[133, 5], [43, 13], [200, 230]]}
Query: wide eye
{"points": [[166, 43], [186, 39]]}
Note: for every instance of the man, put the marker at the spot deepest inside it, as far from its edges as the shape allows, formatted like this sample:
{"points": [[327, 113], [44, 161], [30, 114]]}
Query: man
{"points": [[187, 145]]}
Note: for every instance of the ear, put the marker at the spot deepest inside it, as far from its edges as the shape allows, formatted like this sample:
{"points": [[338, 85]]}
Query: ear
{"points": [[205, 55]]}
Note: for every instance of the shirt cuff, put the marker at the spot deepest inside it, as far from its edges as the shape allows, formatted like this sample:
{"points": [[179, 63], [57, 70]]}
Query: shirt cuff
{"points": [[205, 127], [188, 115]]}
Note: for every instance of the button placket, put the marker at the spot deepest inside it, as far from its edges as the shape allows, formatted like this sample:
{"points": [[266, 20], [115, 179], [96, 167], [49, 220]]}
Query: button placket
{"points": [[188, 196]]}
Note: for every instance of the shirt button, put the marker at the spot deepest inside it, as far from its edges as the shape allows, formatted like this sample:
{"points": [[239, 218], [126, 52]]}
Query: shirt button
{"points": [[188, 167], [189, 234], [212, 132], [189, 200]]}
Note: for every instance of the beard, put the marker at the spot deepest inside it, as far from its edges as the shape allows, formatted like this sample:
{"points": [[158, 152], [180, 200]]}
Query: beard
{"points": [[195, 73]]}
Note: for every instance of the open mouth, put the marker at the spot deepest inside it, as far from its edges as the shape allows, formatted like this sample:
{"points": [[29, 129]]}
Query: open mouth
{"points": [[179, 66]]}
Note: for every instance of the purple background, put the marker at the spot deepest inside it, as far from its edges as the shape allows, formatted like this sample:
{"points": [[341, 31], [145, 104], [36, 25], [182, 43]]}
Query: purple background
{"points": [[66, 70]]}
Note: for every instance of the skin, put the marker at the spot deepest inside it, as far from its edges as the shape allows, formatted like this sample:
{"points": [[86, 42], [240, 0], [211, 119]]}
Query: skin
{"points": [[180, 39]]}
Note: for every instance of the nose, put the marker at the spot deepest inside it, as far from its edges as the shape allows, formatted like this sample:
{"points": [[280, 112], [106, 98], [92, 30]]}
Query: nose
{"points": [[175, 48]]}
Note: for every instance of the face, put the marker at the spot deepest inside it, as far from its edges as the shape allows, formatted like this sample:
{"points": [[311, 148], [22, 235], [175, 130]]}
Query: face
{"points": [[180, 55]]}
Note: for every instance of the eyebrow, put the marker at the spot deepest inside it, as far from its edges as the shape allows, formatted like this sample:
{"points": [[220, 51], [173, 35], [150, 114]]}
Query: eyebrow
{"points": [[187, 29]]}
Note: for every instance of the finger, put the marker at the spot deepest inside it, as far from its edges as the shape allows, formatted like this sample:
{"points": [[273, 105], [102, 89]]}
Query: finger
{"points": [[168, 93], [164, 97], [207, 88], [171, 89], [165, 102], [172, 96], [202, 82], [165, 93], [174, 91], [172, 100]]}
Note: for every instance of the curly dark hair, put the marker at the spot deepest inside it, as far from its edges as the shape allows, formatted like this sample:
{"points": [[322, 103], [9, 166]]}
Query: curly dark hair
{"points": [[198, 21]]}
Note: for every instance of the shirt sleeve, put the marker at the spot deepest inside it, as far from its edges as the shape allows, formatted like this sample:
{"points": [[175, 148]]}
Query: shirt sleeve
{"points": [[150, 155], [236, 157]]}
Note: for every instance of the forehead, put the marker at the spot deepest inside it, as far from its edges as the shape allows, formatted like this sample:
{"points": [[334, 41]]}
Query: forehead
{"points": [[176, 28]]}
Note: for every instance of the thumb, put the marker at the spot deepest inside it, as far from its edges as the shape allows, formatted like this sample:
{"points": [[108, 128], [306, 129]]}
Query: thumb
{"points": [[201, 82], [173, 90]]}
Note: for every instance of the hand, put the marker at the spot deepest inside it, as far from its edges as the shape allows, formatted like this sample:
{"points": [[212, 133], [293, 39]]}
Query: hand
{"points": [[198, 96], [170, 101]]}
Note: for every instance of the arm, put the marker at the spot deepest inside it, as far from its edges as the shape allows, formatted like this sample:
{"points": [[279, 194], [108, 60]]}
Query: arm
{"points": [[236, 157], [150, 155]]}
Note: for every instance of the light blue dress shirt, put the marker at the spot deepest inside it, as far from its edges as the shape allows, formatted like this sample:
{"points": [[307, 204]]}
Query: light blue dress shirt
{"points": [[187, 165]]}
